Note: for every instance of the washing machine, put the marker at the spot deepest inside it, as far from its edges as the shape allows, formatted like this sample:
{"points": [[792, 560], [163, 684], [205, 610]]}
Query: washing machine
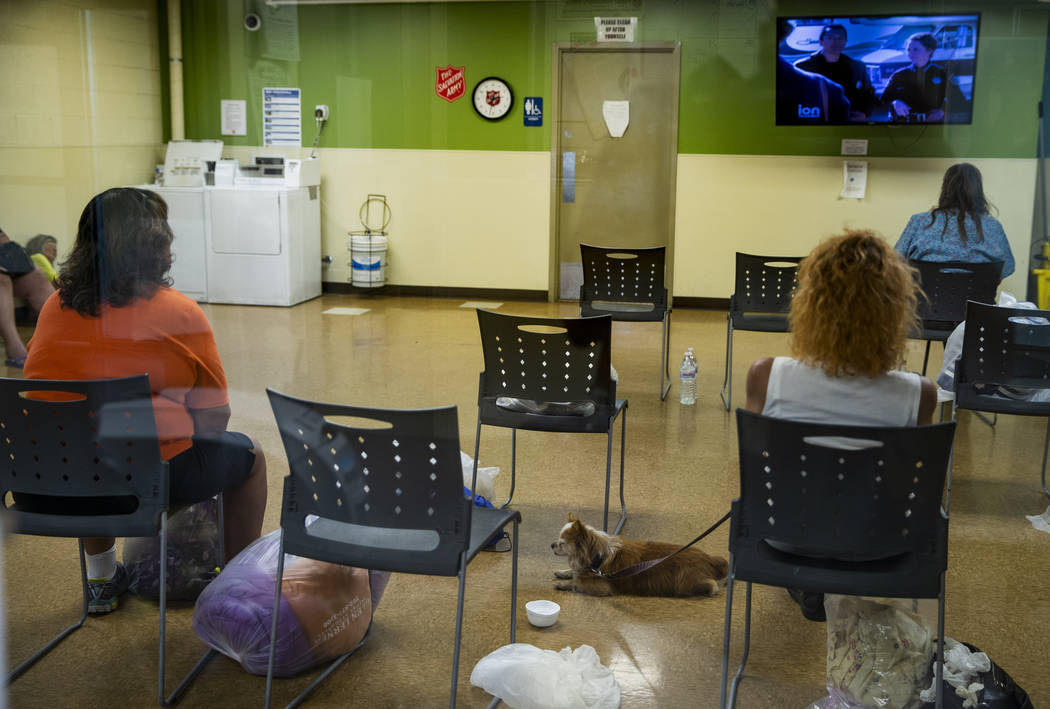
{"points": [[263, 246]]}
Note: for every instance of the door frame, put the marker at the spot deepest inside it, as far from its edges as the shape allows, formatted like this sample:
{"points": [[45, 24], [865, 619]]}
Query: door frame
{"points": [[559, 49]]}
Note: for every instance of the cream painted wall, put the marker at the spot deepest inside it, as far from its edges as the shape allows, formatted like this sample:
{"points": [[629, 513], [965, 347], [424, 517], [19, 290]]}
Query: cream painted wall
{"points": [[783, 206], [80, 108], [476, 219]]}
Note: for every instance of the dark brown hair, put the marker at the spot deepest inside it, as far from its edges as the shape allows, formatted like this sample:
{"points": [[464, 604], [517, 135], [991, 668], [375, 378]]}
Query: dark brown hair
{"points": [[122, 251], [962, 194]]}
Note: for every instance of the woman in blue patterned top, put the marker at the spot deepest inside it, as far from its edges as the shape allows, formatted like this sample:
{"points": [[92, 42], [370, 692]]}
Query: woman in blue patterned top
{"points": [[959, 228]]}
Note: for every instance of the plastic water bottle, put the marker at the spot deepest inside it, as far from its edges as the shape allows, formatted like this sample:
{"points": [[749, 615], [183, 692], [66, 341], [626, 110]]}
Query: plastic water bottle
{"points": [[688, 372]]}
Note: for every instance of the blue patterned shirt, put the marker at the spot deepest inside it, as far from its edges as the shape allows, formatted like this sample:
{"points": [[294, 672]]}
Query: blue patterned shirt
{"points": [[923, 241]]}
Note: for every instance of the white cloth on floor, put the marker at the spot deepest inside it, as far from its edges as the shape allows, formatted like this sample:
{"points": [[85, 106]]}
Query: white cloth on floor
{"points": [[961, 667], [526, 677]]}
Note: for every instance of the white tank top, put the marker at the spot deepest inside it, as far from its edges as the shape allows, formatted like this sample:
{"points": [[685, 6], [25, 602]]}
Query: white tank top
{"points": [[799, 392]]}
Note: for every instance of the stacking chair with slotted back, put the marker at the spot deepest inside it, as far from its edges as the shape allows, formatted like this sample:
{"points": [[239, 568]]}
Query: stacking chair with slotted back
{"points": [[386, 487], [550, 374], [92, 443], [760, 302], [804, 506], [628, 284], [1005, 359], [947, 286]]}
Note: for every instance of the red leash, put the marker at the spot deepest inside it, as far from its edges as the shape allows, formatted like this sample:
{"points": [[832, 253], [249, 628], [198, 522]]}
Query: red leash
{"points": [[646, 565]]}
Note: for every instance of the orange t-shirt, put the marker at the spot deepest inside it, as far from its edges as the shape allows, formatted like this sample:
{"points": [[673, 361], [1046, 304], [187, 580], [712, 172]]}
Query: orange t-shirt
{"points": [[167, 337]]}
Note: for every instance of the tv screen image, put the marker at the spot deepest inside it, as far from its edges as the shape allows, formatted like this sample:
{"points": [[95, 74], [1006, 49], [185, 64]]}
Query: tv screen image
{"points": [[876, 69]]}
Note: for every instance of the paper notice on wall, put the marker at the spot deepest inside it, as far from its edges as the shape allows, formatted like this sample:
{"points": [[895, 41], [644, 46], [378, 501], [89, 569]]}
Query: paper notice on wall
{"points": [[854, 146], [854, 178], [615, 29], [282, 118], [617, 115], [234, 117]]}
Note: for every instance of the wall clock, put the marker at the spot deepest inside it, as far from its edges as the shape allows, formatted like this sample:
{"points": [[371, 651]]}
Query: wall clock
{"points": [[493, 98]]}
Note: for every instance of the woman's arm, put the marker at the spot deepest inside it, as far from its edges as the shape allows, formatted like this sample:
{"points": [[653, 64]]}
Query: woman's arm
{"points": [[757, 382], [210, 421], [907, 238], [1002, 245], [927, 402]]}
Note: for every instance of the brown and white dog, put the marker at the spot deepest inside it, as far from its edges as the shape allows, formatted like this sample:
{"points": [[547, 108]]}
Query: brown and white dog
{"points": [[592, 554]]}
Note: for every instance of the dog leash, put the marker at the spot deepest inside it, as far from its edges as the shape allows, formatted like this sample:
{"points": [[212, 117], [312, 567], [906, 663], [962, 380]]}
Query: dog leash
{"points": [[646, 565]]}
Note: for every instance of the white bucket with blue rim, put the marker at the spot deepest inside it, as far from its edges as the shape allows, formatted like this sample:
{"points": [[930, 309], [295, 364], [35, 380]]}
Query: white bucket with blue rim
{"points": [[367, 260]]}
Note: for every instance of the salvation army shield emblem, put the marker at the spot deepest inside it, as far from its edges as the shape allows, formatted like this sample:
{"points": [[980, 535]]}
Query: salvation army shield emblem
{"points": [[492, 98], [450, 83]]}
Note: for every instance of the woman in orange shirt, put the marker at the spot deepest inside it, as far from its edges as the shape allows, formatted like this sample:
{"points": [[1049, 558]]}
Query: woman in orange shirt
{"points": [[115, 316]]}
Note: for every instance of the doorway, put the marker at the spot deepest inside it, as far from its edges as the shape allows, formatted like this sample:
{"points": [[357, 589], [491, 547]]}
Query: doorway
{"points": [[605, 190]]}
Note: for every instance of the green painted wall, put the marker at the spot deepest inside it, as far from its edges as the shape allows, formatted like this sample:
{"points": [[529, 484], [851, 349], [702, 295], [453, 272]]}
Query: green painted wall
{"points": [[374, 66]]}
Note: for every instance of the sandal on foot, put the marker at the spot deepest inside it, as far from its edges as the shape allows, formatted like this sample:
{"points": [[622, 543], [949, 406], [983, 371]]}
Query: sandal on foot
{"points": [[17, 362]]}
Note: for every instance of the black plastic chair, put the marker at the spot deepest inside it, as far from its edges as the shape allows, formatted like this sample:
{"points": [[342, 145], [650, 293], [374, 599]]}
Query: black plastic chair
{"points": [[947, 286], [1003, 353], [386, 487], [97, 449], [827, 504], [628, 284], [550, 374], [760, 302]]}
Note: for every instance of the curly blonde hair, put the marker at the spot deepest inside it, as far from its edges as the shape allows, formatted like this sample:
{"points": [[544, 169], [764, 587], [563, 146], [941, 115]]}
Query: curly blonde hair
{"points": [[854, 306]]}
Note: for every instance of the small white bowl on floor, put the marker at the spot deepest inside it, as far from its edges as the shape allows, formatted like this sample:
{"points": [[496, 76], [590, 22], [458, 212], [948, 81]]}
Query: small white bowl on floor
{"points": [[542, 614]]}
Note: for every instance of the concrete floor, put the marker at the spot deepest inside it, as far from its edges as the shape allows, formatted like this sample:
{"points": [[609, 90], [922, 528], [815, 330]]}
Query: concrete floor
{"points": [[681, 475]]}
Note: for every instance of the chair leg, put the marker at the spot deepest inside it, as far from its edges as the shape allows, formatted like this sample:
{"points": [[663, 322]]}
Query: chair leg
{"points": [[623, 441], [513, 465], [726, 628], [665, 346], [608, 474], [496, 701], [1046, 446], [163, 604], [459, 627], [939, 673], [747, 648], [273, 626], [727, 382], [926, 358], [18, 671], [210, 654]]}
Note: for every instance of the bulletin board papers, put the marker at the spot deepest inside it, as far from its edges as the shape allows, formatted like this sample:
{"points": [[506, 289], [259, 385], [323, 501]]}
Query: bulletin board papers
{"points": [[282, 118], [854, 178], [234, 117]]}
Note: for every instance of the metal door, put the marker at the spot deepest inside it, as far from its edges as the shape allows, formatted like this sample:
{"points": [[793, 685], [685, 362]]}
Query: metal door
{"points": [[612, 191]]}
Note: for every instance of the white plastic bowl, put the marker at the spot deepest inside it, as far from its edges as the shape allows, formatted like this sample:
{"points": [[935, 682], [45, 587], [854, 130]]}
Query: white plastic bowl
{"points": [[542, 613]]}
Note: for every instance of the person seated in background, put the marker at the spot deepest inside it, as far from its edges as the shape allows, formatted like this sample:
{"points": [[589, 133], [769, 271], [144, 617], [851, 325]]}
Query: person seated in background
{"points": [[850, 318], [923, 91], [19, 278], [845, 71], [43, 249], [959, 228], [114, 315]]}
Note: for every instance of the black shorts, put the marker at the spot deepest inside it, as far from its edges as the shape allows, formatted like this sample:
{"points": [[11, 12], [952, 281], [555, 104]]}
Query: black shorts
{"points": [[213, 464]]}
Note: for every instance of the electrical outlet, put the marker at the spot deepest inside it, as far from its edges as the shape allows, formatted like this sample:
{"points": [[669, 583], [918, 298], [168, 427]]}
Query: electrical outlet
{"points": [[321, 112]]}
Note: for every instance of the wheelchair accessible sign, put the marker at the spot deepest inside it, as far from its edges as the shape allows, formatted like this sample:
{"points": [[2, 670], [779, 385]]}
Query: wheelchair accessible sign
{"points": [[533, 111]]}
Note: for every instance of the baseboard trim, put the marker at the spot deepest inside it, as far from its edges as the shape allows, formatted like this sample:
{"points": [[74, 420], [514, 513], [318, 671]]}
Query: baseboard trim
{"points": [[344, 288], [436, 292], [701, 303]]}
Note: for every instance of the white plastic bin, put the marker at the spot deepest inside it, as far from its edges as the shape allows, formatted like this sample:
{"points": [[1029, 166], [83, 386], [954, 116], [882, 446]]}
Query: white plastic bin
{"points": [[367, 260]]}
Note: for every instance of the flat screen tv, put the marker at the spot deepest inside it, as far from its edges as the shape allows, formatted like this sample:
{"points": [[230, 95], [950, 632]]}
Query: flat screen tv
{"points": [[876, 69]]}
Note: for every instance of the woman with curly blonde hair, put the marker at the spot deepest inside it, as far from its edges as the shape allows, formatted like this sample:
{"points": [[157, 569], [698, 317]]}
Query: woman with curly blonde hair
{"points": [[850, 318]]}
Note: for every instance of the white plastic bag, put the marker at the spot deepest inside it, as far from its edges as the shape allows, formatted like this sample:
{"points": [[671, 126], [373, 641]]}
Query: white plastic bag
{"points": [[486, 477], [526, 677], [879, 654]]}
